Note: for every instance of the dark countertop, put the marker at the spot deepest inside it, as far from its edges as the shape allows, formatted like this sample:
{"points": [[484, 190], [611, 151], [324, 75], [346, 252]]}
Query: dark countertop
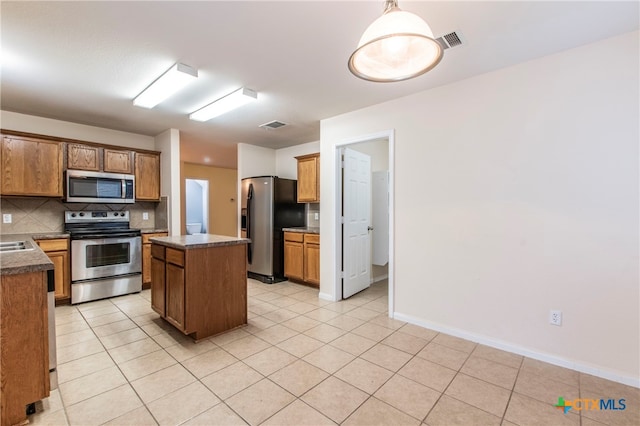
{"points": [[23, 261], [186, 242], [303, 230], [153, 230]]}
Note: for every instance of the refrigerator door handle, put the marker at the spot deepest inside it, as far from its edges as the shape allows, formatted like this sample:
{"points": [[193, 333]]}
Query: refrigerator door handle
{"points": [[249, 202]]}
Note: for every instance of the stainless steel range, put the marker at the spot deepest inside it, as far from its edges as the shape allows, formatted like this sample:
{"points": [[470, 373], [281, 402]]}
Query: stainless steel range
{"points": [[106, 255]]}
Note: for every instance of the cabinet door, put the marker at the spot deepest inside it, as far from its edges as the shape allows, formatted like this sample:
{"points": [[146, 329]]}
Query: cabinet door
{"points": [[312, 262], [58, 252], [147, 171], [175, 295], [60, 261], [146, 263], [116, 161], [31, 167], [158, 286], [293, 260], [83, 157], [308, 179]]}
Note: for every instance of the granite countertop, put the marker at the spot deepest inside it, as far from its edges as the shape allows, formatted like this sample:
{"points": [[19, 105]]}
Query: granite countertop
{"points": [[303, 229], [153, 230], [186, 242], [23, 261]]}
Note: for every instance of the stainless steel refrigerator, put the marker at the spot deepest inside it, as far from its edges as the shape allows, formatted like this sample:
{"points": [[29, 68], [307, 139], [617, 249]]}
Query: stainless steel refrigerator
{"points": [[268, 205]]}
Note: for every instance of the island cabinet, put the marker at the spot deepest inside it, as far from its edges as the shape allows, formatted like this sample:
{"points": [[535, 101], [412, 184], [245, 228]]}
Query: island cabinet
{"points": [[199, 283], [24, 344], [31, 167]]}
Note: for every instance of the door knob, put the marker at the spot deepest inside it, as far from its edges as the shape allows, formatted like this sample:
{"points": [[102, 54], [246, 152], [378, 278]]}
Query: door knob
{"points": [[369, 228]]}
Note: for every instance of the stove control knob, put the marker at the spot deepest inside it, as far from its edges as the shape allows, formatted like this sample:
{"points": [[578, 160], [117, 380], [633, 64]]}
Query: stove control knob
{"points": [[81, 214], [73, 215], [115, 213], [122, 214]]}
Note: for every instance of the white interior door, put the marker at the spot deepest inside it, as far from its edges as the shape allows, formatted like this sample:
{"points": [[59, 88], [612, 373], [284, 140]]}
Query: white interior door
{"points": [[356, 238]]}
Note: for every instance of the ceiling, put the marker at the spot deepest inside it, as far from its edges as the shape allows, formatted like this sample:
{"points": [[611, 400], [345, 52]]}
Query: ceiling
{"points": [[84, 62]]}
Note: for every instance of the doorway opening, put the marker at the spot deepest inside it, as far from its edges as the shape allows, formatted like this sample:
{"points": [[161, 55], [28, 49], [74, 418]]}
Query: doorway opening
{"points": [[379, 148], [197, 206]]}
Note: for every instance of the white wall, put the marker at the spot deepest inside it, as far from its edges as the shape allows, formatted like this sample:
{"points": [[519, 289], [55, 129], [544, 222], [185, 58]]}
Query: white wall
{"points": [[255, 161], [286, 163], [528, 184], [64, 129], [168, 143]]}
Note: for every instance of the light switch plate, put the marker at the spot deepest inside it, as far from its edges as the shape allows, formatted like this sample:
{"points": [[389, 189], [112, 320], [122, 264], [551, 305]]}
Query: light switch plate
{"points": [[316, 216], [145, 216], [6, 218]]}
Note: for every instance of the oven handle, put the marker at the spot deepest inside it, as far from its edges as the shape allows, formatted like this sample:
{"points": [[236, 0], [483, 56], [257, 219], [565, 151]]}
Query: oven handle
{"points": [[103, 236]]}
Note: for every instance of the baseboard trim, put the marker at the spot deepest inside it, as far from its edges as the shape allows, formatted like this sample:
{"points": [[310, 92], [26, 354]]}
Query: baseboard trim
{"points": [[521, 350], [379, 278], [326, 296]]}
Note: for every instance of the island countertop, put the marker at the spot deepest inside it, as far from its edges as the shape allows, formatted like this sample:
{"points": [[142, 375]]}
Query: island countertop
{"points": [[23, 261], [186, 242]]}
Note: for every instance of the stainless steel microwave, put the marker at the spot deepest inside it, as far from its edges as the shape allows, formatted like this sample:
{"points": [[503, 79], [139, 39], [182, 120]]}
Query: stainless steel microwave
{"points": [[95, 187]]}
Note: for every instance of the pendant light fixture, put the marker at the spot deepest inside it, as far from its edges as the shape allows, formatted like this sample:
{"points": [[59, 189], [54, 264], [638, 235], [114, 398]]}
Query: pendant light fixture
{"points": [[397, 46]]}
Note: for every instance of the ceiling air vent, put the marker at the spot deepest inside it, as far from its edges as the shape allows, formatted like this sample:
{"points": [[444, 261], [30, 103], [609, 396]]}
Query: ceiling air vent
{"points": [[449, 41], [272, 125]]}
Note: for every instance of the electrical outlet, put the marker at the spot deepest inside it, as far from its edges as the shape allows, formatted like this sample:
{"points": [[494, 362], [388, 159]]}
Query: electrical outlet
{"points": [[555, 317], [316, 216], [6, 218], [145, 216]]}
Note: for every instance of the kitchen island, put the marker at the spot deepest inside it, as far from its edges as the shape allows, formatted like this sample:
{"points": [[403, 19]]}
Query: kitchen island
{"points": [[199, 282], [24, 326]]}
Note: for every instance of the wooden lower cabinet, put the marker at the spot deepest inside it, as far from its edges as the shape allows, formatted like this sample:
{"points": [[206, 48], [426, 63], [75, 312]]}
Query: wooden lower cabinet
{"points": [[302, 257], [312, 259], [58, 252], [200, 291], [24, 344], [294, 255], [146, 257]]}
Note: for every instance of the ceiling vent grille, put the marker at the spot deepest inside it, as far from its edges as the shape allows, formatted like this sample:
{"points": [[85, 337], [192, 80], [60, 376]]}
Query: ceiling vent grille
{"points": [[449, 41], [275, 124]]}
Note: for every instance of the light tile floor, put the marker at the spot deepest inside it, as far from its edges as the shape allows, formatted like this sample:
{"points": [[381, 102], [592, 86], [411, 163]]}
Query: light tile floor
{"points": [[302, 361]]}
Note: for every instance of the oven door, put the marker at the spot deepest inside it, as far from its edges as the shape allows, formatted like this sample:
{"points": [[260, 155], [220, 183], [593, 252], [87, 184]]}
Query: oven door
{"points": [[105, 257]]}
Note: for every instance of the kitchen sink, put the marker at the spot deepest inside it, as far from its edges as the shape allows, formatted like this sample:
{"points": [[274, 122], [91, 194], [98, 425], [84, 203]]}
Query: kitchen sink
{"points": [[11, 246]]}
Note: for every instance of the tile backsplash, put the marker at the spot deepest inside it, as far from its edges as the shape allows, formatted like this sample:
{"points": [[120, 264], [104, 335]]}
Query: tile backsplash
{"points": [[312, 209], [43, 215]]}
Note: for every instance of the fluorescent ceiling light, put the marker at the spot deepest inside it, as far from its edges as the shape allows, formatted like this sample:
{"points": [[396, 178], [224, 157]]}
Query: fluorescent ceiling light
{"points": [[227, 103], [397, 46], [177, 77]]}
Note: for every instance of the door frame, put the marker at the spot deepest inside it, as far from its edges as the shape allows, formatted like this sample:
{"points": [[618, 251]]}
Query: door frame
{"points": [[389, 135]]}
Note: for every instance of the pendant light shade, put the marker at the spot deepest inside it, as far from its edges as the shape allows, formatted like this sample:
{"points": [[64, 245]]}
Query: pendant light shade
{"points": [[397, 46]]}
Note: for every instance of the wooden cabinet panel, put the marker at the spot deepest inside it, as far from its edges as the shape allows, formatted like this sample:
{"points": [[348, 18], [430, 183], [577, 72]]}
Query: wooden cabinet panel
{"points": [[293, 260], [309, 178], [31, 167], [312, 259], [158, 286], [147, 172], [83, 157], [24, 344], [146, 255], [116, 161], [175, 295], [302, 257], [58, 252]]}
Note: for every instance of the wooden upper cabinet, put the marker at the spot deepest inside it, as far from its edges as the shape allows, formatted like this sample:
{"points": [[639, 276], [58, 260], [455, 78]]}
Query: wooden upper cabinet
{"points": [[31, 167], [116, 161], [309, 178], [83, 157], [147, 172]]}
